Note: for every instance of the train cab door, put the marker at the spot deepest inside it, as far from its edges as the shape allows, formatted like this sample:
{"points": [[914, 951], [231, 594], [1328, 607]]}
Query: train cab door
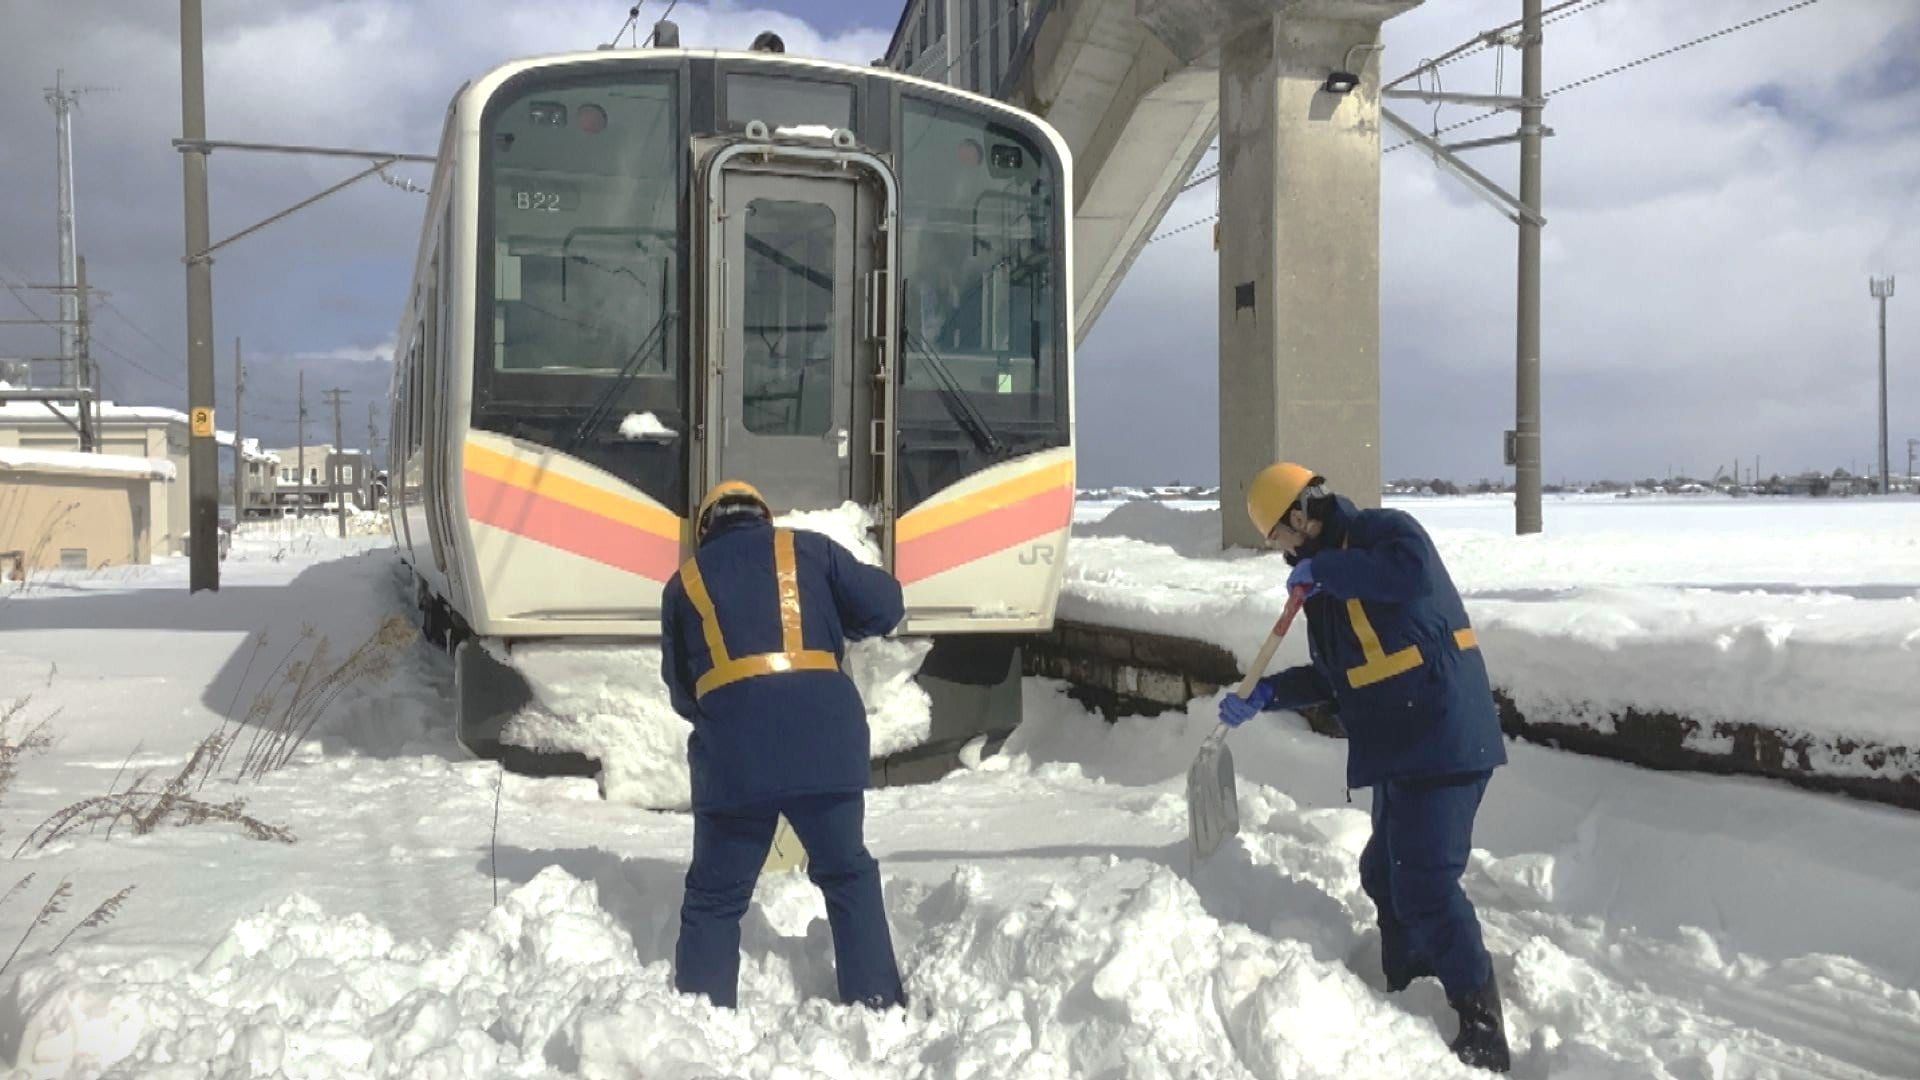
{"points": [[784, 407]]}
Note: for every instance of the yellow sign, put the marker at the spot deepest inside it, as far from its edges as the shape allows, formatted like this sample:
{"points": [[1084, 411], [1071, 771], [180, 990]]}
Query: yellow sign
{"points": [[202, 422]]}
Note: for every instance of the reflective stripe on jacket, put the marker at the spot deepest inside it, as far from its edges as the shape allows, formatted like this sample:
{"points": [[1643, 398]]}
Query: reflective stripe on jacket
{"points": [[1392, 648], [753, 631]]}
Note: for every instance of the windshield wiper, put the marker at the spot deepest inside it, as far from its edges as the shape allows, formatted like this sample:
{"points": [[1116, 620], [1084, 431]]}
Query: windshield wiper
{"points": [[956, 400], [603, 407]]}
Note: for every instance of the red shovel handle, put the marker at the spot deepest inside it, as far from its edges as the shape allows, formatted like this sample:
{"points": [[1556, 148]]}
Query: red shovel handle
{"points": [[1294, 599]]}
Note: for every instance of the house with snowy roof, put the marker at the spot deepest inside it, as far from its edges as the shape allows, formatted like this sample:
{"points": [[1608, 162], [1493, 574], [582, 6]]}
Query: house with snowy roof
{"points": [[150, 433]]}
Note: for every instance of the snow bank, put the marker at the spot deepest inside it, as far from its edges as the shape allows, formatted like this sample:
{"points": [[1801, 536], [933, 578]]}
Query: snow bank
{"points": [[1671, 607], [1121, 977], [1060, 935], [610, 703], [1194, 535]]}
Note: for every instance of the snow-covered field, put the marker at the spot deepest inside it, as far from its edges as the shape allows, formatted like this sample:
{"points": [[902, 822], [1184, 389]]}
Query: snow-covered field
{"points": [[1802, 615], [1645, 925]]}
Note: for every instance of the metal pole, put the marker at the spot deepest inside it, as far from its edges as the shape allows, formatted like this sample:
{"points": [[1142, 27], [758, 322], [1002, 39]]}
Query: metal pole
{"points": [[1527, 337], [373, 454], [300, 460], [1881, 289], [83, 365], [239, 445], [203, 460], [1526, 478], [62, 103], [337, 395]]}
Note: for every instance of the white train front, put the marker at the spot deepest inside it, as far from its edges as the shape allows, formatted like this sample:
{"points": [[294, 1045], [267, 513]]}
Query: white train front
{"points": [[645, 270]]}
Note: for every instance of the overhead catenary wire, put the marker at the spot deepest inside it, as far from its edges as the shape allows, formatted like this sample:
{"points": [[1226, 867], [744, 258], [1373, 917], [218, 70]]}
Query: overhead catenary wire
{"points": [[1585, 81], [1629, 66]]}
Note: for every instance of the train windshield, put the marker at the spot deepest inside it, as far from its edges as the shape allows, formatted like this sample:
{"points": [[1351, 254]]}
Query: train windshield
{"points": [[983, 349], [581, 268]]}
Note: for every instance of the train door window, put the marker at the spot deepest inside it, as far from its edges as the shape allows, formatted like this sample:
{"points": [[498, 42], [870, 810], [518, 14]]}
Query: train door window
{"points": [[787, 379], [788, 342]]}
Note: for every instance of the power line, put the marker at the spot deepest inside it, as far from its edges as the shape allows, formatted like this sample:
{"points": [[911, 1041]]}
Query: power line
{"points": [[1609, 72], [1178, 229], [138, 329], [1757, 20], [1487, 40], [169, 380]]}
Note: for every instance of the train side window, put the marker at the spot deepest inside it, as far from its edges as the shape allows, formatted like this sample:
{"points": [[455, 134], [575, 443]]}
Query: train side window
{"points": [[416, 429]]}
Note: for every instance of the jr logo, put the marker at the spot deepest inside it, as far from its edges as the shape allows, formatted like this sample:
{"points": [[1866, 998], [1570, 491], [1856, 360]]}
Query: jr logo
{"points": [[1037, 554]]}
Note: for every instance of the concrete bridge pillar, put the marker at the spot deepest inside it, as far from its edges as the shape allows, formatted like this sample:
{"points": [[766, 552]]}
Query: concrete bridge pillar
{"points": [[1299, 245]]}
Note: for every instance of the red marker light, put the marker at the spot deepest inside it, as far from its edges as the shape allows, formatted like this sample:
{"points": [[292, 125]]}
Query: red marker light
{"points": [[592, 119]]}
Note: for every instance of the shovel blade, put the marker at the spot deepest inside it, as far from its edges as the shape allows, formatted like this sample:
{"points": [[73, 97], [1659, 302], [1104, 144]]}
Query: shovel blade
{"points": [[1213, 803]]}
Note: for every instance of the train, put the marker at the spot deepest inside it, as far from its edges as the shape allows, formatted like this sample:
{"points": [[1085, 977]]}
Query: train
{"points": [[644, 270]]}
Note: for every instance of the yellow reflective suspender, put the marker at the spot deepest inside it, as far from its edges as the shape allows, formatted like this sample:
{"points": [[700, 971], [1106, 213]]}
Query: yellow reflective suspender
{"points": [[1381, 664], [793, 656]]}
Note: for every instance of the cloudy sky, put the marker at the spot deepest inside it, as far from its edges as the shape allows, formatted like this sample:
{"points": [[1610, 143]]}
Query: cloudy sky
{"points": [[1713, 220]]}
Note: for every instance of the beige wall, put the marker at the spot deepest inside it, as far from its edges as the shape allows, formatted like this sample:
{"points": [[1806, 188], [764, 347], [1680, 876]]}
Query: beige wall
{"points": [[44, 513], [127, 437]]}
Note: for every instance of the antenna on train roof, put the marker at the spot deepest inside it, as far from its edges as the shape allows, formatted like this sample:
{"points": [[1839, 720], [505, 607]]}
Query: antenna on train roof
{"points": [[633, 16]]}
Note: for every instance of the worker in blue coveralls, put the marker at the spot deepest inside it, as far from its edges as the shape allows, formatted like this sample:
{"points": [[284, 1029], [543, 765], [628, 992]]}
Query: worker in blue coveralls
{"points": [[1393, 651], [753, 630]]}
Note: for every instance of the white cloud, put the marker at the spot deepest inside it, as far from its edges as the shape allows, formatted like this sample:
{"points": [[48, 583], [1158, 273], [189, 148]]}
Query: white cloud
{"points": [[1713, 217]]}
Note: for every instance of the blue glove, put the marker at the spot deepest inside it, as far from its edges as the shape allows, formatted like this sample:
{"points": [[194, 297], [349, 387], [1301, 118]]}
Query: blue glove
{"points": [[1236, 710], [1303, 575]]}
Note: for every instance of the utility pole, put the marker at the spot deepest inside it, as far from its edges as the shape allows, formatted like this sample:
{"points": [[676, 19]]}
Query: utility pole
{"points": [[64, 99], [334, 397], [1881, 289], [83, 358], [203, 460], [1526, 421], [239, 444], [300, 460], [373, 453]]}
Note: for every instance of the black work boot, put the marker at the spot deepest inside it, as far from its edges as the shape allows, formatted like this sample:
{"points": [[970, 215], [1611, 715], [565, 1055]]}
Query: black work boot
{"points": [[1482, 1042]]}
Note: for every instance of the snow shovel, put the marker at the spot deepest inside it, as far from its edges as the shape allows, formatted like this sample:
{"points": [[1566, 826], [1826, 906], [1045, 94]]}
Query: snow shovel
{"points": [[1213, 802]]}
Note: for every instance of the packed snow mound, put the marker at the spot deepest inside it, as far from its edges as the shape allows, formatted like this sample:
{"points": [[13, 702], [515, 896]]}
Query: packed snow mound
{"points": [[1123, 977], [612, 705], [1189, 533]]}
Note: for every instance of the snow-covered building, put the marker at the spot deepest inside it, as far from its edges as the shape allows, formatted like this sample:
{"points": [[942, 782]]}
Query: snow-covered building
{"points": [[141, 431], [306, 476], [75, 511]]}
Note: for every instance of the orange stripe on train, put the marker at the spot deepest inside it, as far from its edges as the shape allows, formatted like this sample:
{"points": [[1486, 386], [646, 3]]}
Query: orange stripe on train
{"points": [[983, 534], [570, 528]]}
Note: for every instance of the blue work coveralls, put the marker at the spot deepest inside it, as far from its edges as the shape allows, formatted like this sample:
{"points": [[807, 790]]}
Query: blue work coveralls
{"points": [[753, 631], [1393, 651]]}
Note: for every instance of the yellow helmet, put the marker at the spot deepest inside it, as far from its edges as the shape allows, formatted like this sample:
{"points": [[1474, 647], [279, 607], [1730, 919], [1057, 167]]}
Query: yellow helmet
{"points": [[1275, 490], [728, 490]]}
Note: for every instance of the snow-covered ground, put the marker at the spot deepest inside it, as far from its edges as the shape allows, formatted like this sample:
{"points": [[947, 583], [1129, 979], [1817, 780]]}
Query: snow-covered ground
{"points": [[1645, 925], [1802, 615]]}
